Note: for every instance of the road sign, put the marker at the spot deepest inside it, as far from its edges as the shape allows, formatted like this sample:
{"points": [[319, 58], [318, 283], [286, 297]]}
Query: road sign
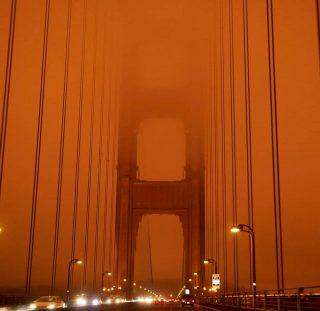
{"points": [[215, 283]]}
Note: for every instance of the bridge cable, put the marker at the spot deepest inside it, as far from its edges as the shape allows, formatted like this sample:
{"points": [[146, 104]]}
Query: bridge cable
{"points": [[110, 159], [92, 113], [107, 156], [106, 197], [233, 143], [318, 26], [209, 241], [248, 121], [98, 199], [115, 147], [79, 135], [38, 148], [99, 174], [275, 145], [7, 87], [61, 149], [150, 251], [216, 156], [223, 145]]}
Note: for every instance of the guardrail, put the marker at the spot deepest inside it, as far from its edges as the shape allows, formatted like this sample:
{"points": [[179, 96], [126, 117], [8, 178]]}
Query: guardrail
{"points": [[302, 298], [11, 300]]}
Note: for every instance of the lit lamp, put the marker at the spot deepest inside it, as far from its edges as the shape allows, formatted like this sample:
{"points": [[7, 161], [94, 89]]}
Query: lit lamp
{"points": [[235, 229], [250, 231]]}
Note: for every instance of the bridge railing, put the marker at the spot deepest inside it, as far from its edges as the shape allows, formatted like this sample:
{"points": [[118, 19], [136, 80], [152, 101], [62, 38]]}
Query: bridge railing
{"points": [[302, 298], [12, 299]]}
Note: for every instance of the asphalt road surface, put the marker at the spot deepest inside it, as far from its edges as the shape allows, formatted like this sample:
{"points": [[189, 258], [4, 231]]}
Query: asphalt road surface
{"points": [[143, 307]]}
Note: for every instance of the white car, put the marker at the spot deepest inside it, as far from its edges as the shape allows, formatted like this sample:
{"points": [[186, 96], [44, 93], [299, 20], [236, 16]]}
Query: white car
{"points": [[47, 303]]}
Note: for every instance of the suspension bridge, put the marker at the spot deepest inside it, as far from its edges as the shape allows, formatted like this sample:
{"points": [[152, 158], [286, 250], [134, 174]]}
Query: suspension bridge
{"points": [[159, 153]]}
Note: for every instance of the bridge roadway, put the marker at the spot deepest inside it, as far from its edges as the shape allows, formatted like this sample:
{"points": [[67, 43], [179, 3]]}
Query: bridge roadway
{"points": [[132, 306]]}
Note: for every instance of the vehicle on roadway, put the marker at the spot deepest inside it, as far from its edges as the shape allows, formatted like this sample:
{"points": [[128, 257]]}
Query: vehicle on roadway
{"points": [[47, 303], [187, 301], [84, 300]]}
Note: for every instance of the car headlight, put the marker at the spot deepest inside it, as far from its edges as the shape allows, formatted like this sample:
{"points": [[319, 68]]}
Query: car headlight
{"points": [[81, 302], [95, 302], [33, 306], [51, 306], [108, 301]]}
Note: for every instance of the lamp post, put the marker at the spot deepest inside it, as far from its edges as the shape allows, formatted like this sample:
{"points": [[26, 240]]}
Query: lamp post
{"points": [[196, 282], [250, 231], [213, 263], [105, 273], [71, 263]]}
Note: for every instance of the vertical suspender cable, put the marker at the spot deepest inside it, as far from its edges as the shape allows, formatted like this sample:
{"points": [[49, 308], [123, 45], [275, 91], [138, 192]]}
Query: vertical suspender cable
{"points": [[150, 252], [233, 143], [61, 150], [38, 147], [248, 118], [209, 190], [7, 85], [86, 238], [79, 134], [96, 240], [103, 103], [216, 155], [115, 147], [275, 144], [107, 190], [223, 149], [318, 25], [110, 158]]}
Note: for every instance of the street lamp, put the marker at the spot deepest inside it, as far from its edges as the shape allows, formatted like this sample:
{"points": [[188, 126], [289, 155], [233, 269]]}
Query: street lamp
{"points": [[71, 263], [250, 231]]}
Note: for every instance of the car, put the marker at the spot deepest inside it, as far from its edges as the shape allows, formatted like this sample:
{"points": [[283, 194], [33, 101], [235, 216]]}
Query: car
{"points": [[187, 301], [78, 300], [47, 303]]}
